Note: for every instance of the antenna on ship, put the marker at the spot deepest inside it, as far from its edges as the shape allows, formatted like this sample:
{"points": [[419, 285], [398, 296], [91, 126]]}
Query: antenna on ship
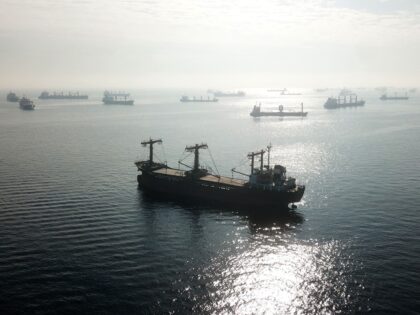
{"points": [[195, 149], [150, 143]]}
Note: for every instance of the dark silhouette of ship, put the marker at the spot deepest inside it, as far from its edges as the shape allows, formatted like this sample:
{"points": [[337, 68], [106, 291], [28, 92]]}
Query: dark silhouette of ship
{"points": [[349, 100], [256, 112], [120, 98], [384, 97], [187, 99], [26, 104], [266, 186], [45, 95], [12, 97]]}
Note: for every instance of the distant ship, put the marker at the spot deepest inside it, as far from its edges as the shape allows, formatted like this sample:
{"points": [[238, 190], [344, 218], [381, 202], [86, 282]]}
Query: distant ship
{"points": [[384, 97], [266, 186], [284, 92], [61, 96], [12, 97], [256, 112], [343, 101], [321, 90], [413, 90], [120, 98], [26, 104], [228, 94], [186, 99]]}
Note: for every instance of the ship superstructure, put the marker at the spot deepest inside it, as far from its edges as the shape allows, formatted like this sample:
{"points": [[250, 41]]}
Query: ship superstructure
{"points": [[265, 186]]}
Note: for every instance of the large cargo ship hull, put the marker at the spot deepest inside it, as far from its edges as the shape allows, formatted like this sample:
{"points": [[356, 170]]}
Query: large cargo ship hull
{"points": [[116, 102], [280, 114], [342, 105], [64, 97], [213, 193]]}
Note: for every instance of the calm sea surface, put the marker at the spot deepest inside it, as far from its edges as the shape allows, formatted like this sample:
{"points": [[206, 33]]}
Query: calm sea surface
{"points": [[77, 236]]}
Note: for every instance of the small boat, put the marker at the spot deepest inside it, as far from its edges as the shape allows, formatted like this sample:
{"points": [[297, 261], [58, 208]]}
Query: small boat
{"points": [[12, 97], [26, 104], [343, 101], [186, 99], [256, 112], [384, 97]]}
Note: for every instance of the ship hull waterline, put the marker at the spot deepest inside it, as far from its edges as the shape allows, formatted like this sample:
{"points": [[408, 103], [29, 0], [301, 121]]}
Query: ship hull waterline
{"points": [[235, 196]]}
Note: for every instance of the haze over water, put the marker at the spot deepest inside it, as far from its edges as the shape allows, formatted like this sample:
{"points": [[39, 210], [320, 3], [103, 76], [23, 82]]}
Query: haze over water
{"points": [[76, 235], [241, 43]]}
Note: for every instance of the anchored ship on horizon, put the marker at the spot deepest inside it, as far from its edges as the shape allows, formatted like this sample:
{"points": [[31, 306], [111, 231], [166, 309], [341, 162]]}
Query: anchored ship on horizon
{"points": [[117, 98], [12, 97], [266, 186], [257, 112], [187, 99], [385, 97], [45, 95], [218, 93], [26, 104], [348, 100]]}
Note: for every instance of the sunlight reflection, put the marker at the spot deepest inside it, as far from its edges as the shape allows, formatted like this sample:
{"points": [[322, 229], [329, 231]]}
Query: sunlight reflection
{"points": [[272, 278]]}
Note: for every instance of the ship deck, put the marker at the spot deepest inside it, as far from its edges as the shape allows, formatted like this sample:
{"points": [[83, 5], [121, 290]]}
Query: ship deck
{"points": [[222, 180]]}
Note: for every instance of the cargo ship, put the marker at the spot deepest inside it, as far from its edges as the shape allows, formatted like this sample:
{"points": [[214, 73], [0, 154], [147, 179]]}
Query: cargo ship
{"points": [[256, 112], [12, 97], [343, 101], [186, 99], [266, 186], [45, 95], [228, 94], [26, 104], [120, 98], [384, 97]]}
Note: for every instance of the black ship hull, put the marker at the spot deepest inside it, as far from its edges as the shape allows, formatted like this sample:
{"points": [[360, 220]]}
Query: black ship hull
{"points": [[198, 101], [221, 194], [280, 114], [63, 97], [342, 105], [394, 98], [130, 102]]}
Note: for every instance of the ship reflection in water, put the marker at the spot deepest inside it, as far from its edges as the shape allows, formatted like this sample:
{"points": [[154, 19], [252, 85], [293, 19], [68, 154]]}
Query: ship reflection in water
{"points": [[260, 265]]}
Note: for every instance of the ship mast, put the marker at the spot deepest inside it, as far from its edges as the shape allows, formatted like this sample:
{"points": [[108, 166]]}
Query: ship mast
{"points": [[252, 157], [195, 149], [151, 142]]}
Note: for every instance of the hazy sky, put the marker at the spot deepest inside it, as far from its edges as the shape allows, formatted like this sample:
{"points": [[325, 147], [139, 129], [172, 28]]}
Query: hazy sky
{"points": [[213, 43]]}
